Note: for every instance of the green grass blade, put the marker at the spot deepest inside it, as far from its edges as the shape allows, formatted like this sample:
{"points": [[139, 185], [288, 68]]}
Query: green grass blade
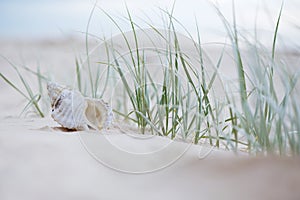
{"points": [[276, 31]]}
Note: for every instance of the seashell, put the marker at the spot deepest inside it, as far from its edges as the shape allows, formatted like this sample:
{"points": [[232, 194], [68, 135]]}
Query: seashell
{"points": [[73, 111]]}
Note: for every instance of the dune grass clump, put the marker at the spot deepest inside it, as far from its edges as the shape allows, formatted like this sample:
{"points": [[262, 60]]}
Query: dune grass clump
{"points": [[182, 102], [264, 119], [32, 97], [177, 103]]}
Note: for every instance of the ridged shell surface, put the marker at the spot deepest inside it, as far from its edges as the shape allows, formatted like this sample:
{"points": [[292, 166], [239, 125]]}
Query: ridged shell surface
{"points": [[73, 111]]}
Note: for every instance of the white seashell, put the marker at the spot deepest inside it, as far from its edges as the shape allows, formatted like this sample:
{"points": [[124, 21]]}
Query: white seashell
{"points": [[73, 111]]}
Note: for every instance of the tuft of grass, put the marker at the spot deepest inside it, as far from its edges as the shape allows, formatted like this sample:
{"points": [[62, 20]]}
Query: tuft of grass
{"points": [[32, 98], [177, 105], [182, 104], [263, 118]]}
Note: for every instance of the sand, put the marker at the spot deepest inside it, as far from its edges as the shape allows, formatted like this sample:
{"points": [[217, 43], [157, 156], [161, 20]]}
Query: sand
{"points": [[38, 160]]}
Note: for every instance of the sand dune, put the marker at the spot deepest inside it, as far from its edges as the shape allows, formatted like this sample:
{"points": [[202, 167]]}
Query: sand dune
{"points": [[39, 160]]}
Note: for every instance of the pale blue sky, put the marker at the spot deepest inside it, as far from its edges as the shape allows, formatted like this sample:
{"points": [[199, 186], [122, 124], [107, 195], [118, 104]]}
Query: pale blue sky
{"points": [[58, 18]]}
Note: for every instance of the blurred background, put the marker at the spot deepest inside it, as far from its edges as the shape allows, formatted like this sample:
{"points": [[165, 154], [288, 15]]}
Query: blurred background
{"points": [[51, 19]]}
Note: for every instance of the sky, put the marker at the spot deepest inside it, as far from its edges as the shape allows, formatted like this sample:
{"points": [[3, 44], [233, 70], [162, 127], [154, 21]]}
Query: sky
{"points": [[61, 18]]}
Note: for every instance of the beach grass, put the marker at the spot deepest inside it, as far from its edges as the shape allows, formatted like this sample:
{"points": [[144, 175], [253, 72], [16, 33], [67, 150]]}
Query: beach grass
{"points": [[183, 104], [33, 98]]}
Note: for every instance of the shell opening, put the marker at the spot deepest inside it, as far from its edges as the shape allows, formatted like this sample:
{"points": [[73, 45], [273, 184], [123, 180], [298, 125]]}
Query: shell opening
{"points": [[95, 114]]}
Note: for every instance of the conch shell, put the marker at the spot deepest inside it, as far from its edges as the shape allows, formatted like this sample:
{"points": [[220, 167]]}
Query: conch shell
{"points": [[73, 111]]}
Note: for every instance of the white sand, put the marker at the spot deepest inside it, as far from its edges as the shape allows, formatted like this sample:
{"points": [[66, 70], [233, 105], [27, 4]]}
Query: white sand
{"points": [[48, 164], [39, 161]]}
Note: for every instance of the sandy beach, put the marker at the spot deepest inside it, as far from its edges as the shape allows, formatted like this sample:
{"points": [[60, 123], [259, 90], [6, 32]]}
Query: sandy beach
{"points": [[39, 160]]}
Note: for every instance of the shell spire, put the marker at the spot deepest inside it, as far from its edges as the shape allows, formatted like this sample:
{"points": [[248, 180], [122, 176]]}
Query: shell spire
{"points": [[54, 91]]}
